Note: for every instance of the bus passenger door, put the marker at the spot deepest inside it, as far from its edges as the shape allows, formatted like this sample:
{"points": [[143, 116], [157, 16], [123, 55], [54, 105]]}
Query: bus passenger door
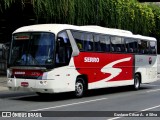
{"points": [[63, 49]]}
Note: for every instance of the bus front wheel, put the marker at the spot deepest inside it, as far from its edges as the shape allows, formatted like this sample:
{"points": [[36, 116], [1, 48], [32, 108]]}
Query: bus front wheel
{"points": [[136, 82], [79, 87]]}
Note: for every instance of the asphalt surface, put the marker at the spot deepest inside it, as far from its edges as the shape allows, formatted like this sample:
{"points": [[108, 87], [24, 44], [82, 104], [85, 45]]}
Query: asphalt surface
{"points": [[100, 104]]}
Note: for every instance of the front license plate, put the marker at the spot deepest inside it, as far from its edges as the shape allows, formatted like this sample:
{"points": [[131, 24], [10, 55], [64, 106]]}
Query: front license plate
{"points": [[24, 84]]}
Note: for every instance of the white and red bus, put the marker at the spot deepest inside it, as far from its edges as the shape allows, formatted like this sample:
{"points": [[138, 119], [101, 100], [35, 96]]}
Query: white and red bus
{"points": [[54, 58]]}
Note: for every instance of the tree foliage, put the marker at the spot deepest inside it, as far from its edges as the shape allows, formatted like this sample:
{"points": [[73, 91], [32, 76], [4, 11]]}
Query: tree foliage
{"points": [[123, 14], [156, 11]]}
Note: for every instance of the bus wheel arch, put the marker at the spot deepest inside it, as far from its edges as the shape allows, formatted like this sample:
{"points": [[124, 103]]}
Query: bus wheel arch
{"points": [[137, 81], [81, 85]]}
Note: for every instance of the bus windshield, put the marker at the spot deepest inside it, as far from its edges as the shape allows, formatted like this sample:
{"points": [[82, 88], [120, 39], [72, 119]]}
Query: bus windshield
{"points": [[32, 49]]}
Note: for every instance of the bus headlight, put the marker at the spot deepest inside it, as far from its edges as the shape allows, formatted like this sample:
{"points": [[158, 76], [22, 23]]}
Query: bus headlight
{"points": [[43, 82], [9, 73], [9, 81]]}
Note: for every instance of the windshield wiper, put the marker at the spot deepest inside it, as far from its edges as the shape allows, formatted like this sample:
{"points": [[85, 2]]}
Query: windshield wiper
{"points": [[33, 59]]}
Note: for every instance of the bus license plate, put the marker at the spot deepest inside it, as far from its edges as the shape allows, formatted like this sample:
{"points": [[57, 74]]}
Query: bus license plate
{"points": [[24, 84]]}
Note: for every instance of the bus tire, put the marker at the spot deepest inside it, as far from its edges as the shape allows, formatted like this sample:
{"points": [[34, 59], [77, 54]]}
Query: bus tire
{"points": [[79, 87], [137, 82]]}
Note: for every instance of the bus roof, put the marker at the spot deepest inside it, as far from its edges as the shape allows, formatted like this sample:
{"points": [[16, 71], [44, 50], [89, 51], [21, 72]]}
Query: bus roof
{"points": [[55, 28]]}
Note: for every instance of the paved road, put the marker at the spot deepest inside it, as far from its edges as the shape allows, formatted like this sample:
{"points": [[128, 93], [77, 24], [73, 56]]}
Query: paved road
{"points": [[111, 99]]}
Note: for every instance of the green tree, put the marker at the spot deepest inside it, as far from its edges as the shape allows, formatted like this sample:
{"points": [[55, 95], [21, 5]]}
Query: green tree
{"points": [[123, 14]]}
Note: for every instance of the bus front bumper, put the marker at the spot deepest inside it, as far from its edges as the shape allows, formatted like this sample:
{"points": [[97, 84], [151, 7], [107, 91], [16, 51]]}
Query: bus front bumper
{"points": [[41, 86]]}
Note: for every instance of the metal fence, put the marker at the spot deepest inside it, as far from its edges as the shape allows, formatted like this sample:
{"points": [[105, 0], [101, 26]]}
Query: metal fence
{"points": [[3, 58]]}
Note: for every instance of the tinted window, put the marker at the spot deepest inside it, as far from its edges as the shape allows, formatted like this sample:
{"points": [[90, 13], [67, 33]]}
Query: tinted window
{"points": [[142, 46], [131, 45], [97, 43], [116, 44], [88, 42], [123, 45], [79, 38], [145, 46], [105, 43], [152, 46]]}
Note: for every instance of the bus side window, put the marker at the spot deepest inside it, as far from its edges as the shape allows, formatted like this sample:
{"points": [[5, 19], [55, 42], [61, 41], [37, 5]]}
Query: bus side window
{"points": [[88, 42], [135, 46], [123, 45], [113, 46], [79, 45], [97, 43], [130, 45], [105, 43], [152, 47], [79, 38], [116, 43], [144, 47], [127, 45], [140, 47]]}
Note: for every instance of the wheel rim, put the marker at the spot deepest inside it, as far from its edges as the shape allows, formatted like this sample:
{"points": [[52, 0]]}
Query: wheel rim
{"points": [[79, 88]]}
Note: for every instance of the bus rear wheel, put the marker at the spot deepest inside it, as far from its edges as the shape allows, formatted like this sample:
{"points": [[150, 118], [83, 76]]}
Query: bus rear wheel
{"points": [[79, 87], [137, 82]]}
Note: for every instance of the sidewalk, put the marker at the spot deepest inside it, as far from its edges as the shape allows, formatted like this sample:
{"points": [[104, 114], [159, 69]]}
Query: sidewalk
{"points": [[3, 82]]}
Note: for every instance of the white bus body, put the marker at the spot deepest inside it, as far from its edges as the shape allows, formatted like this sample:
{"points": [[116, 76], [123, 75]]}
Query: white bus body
{"points": [[78, 58]]}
